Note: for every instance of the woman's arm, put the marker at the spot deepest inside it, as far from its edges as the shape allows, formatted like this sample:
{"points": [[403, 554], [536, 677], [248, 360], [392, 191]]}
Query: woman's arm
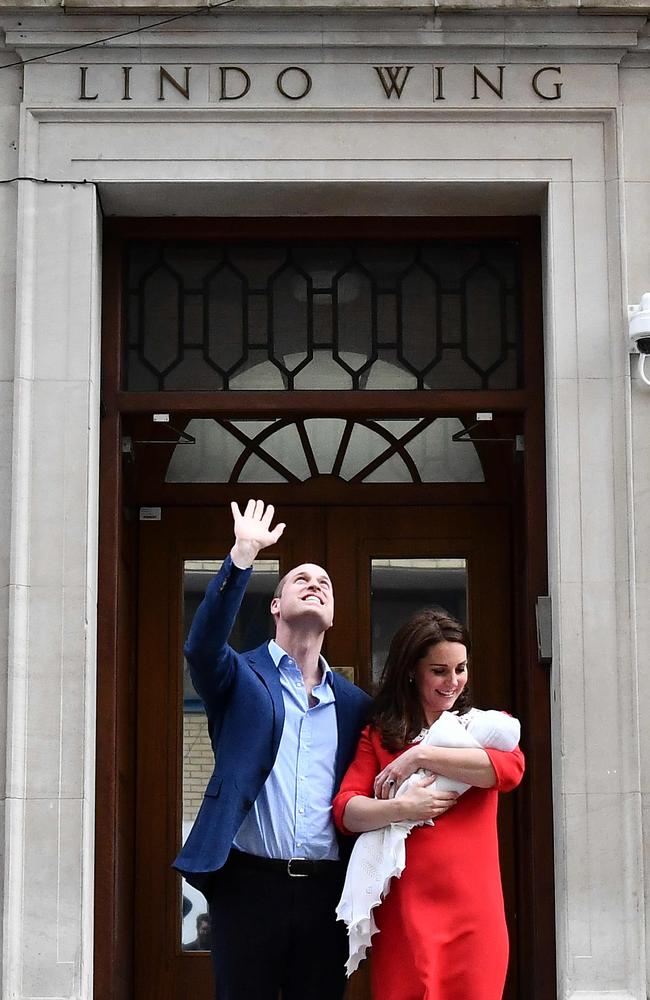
{"points": [[468, 764], [419, 803]]}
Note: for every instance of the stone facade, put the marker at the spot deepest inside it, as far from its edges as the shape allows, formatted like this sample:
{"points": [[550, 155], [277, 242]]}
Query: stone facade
{"points": [[581, 160]]}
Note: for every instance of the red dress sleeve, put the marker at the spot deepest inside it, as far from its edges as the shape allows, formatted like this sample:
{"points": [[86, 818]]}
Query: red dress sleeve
{"points": [[508, 767], [359, 778]]}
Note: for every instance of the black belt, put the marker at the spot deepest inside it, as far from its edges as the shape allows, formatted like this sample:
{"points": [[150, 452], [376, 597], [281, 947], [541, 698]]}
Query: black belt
{"points": [[293, 867]]}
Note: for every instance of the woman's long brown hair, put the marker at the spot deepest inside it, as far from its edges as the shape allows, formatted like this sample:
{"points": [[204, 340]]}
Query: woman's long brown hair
{"points": [[397, 710]]}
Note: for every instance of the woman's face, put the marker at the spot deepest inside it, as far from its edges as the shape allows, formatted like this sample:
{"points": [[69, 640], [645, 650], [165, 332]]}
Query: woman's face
{"points": [[439, 677]]}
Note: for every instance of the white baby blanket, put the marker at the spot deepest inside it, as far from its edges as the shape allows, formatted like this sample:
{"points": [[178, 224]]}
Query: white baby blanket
{"points": [[380, 855]]}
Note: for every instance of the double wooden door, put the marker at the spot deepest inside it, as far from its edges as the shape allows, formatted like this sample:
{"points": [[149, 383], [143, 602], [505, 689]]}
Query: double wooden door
{"points": [[385, 562]]}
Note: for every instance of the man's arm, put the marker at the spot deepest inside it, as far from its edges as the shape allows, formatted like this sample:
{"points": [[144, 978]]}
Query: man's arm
{"points": [[212, 661]]}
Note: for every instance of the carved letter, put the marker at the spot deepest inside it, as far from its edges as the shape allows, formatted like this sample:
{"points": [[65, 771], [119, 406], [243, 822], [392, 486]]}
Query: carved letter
{"points": [[126, 70], [245, 83], [294, 69], [438, 94], [83, 96], [185, 91], [390, 79], [557, 85], [496, 88]]}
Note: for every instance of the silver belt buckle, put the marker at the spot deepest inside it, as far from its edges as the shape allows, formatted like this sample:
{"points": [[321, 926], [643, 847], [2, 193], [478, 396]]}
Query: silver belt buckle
{"points": [[295, 874]]}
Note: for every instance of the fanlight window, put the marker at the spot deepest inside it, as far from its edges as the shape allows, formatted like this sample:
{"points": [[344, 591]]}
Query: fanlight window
{"points": [[410, 315], [355, 451]]}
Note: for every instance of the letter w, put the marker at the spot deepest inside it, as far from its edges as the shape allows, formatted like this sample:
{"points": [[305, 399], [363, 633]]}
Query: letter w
{"points": [[393, 79]]}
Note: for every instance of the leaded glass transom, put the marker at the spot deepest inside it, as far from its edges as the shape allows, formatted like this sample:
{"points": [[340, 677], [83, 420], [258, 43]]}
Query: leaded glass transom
{"points": [[337, 315], [355, 451]]}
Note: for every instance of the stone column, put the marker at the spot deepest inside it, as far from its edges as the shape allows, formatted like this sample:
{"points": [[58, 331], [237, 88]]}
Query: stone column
{"points": [[634, 85], [599, 868], [49, 834], [10, 93]]}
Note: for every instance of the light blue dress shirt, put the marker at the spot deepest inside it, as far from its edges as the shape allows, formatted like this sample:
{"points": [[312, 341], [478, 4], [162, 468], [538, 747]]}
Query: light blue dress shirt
{"points": [[292, 815]]}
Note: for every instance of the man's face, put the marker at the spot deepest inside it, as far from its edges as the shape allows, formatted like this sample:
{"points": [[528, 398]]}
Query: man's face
{"points": [[307, 594], [203, 931]]}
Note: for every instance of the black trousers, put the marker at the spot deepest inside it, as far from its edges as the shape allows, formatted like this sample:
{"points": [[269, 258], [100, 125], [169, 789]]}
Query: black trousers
{"points": [[276, 935]]}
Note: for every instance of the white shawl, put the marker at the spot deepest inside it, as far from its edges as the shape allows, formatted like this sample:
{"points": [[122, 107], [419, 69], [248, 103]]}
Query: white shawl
{"points": [[380, 855]]}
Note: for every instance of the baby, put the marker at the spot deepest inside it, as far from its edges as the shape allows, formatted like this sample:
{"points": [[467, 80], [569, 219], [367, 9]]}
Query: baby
{"points": [[380, 855]]}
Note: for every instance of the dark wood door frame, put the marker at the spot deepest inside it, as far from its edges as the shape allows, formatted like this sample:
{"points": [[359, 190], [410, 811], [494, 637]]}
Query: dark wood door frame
{"points": [[344, 539], [115, 771]]}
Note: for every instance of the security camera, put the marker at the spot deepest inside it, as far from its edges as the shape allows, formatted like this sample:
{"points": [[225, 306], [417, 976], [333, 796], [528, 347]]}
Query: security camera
{"points": [[639, 331]]}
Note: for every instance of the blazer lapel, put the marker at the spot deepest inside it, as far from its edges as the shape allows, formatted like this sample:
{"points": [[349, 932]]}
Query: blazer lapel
{"points": [[261, 661], [347, 734]]}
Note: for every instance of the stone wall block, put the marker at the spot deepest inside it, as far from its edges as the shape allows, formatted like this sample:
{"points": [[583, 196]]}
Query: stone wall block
{"points": [[592, 294], [54, 754], [645, 891], [564, 497], [62, 349], [59, 484], [637, 248], [636, 146], [6, 422], [568, 687], [641, 450], [4, 664], [595, 430], [52, 898], [612, 754], [604, 905], [560, 348]]}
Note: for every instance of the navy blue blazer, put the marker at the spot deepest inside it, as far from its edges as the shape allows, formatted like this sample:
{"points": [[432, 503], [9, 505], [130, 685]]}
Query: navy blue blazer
{"points": [[243, 701]]}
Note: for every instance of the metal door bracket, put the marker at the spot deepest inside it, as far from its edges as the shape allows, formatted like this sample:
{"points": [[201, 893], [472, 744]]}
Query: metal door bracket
{"points": [[544, 619], [464, 436], [183, 436]]}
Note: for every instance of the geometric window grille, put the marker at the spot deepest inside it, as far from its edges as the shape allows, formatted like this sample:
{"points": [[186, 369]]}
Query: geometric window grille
{"points": [[426, 314], [287, 450]]}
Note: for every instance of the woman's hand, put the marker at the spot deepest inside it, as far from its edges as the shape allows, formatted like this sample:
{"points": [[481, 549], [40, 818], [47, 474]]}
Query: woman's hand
{"points": [[388, 781], [422, 802]]}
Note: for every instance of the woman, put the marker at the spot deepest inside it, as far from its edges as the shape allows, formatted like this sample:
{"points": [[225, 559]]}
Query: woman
{"points": [[442, 927]]}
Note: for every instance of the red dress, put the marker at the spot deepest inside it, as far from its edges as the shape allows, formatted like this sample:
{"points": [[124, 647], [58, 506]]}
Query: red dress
{"points": [[442, 929]]}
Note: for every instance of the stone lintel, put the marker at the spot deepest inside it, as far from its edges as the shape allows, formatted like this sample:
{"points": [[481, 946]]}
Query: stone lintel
{"points": [[301, 6]]}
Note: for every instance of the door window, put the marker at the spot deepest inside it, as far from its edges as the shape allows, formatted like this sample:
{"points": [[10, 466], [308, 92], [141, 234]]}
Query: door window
{"points": [[414, 314], [356, 451], [400, 587]]}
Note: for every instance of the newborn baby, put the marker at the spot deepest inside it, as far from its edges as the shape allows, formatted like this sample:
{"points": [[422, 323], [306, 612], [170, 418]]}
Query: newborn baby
{"points": [[380, 855]]}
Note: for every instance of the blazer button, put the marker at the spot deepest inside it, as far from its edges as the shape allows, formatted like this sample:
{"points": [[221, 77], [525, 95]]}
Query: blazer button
{"points": [[248, 803]]}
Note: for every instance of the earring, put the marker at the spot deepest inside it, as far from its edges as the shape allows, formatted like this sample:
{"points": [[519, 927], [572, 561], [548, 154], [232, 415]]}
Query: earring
{"points": [[411, 678]]}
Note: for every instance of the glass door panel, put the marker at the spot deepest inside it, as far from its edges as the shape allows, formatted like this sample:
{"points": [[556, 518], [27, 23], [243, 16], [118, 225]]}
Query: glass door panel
{"points": [[400, 587]]}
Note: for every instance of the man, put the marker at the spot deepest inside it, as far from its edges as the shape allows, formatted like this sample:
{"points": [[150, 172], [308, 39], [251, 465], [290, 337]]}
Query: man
{"points": [[202, 940], [284, 728]]}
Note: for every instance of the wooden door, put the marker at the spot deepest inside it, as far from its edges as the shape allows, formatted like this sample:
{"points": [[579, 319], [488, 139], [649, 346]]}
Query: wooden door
{"points": [[384, 563]]}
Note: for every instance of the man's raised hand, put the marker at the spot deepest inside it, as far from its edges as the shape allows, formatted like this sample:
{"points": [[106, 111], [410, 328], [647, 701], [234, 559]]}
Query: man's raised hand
{"points": [[252, 531]]}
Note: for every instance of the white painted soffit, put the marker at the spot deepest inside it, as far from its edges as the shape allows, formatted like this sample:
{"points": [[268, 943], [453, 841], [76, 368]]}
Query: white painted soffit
{"points": [[342, 199]]}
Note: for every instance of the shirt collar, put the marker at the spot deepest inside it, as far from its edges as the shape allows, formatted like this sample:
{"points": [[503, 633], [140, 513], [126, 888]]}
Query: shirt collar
{"points": [[277, 652]]}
